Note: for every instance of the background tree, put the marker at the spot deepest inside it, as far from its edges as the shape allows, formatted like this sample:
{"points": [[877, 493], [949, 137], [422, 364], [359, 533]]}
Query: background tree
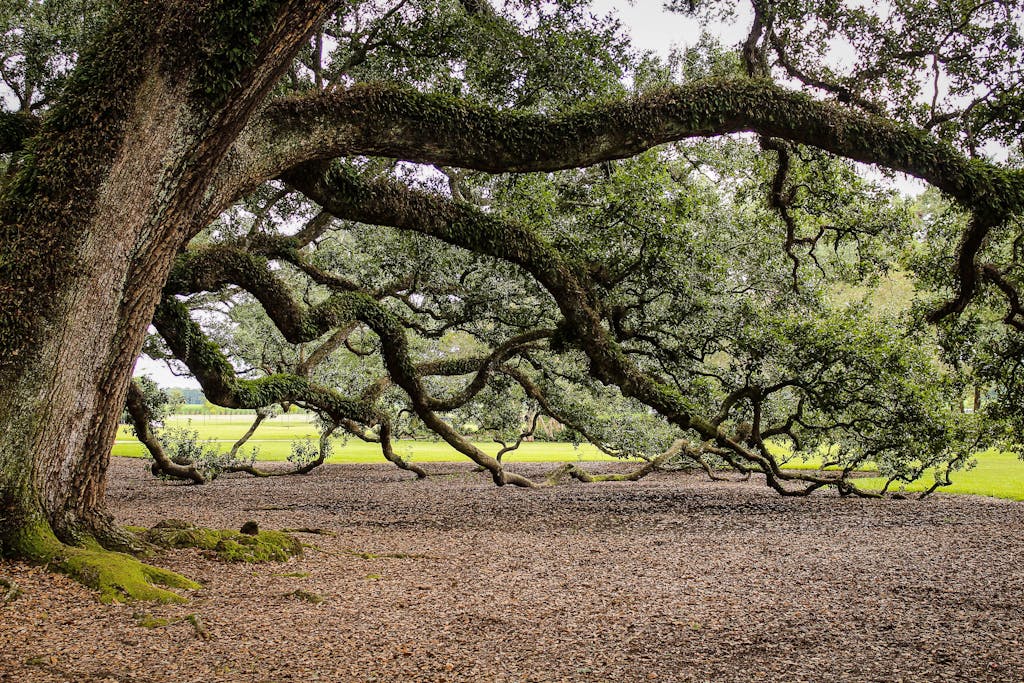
{"points": [[691, 282]]}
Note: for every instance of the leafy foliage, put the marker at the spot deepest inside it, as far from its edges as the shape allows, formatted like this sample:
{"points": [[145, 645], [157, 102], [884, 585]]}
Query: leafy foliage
{"points": [[715, 299]]}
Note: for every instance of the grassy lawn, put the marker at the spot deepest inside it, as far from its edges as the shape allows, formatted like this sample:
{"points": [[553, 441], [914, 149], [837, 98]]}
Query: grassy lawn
{"points": [[274, 437], [996, 474]]}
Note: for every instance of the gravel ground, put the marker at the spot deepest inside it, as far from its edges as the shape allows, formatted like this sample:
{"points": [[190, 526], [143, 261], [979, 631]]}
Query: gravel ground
{"points": [[671, 578]]}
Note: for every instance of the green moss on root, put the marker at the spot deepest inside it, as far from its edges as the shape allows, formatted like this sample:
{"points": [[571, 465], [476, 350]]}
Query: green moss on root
{"points": [[226, 545], [117, 577], [120, 578]]}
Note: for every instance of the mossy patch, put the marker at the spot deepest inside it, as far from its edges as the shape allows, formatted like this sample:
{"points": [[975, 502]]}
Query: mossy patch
{"points": [[117, 577], [147, 620], [224, 544], [305, 596]]}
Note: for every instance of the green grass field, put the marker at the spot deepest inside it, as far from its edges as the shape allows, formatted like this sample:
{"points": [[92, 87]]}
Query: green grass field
{"points": [[274, 437], [996, 474]]}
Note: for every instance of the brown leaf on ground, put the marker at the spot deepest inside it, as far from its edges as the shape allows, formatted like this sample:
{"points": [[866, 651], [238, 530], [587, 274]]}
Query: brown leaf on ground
{"points": [[671, 579]]}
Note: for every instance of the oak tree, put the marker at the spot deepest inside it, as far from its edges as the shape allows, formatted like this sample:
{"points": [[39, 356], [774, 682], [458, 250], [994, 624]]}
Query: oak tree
{"points": [[665, 237]]}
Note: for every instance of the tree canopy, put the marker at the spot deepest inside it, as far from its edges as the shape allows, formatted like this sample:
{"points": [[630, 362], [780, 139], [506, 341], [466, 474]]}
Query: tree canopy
{"points": [[439, 215]]}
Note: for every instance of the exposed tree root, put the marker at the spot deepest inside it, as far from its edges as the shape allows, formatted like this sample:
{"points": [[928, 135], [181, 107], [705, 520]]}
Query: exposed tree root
{"points": [[225, 545], [117, 577]]}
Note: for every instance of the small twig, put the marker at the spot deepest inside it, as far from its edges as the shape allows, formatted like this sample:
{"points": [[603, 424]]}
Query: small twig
{"points": [[309, 530]]}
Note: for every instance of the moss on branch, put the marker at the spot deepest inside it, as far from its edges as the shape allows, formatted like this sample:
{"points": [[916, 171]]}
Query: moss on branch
{"points": [[392, 121], [220, 384]]}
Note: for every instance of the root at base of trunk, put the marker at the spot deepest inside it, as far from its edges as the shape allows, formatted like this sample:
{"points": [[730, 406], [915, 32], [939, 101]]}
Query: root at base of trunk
{"points": [[117, 577], [223, 544]]}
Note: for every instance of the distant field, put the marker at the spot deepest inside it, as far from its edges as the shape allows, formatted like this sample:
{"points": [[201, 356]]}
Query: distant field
{"points": [[996, 474], [274, 437]]}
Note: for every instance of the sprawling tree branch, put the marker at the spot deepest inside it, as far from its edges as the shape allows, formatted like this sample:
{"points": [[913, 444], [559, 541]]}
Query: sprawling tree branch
{"points": [[429, 128], [211, 269], [384, 202]]}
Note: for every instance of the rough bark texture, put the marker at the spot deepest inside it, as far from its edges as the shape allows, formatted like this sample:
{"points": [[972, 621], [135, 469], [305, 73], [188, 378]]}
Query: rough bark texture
{"points": [[118, 181]]}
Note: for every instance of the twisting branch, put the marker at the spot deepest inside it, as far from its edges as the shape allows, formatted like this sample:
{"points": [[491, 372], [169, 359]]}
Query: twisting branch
{"points": [[211, 269], [652, 465], [141, 421], [1015, 312], [535, 392], [324, 448], [261, 415], [967, 274], [387, 203], [531, 427], [337, 339], [391, 456], [841, 92]]}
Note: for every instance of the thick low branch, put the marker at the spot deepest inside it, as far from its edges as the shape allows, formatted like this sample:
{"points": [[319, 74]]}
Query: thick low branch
{"points": [[394, 122], [141, 419], [391, 456], [580, 474], [389, 203], [323, 449], [196, 271]]}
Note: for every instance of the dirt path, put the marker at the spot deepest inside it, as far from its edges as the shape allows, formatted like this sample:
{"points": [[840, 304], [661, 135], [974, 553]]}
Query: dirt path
{"points": [[451, 579]]}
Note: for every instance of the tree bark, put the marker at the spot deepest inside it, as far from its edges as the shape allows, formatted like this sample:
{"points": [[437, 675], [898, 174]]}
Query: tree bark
{"points": [[117, 182], [98, 244]]}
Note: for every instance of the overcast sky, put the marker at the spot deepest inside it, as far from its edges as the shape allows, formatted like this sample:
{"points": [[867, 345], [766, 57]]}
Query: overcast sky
{"points": [[657, 30]]}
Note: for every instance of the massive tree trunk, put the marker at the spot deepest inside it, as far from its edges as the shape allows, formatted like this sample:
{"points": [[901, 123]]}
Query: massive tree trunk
{"points": [[110, 189], [63, 403]]}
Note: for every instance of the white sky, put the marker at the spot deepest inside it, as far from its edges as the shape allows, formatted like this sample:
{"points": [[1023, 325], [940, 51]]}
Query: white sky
{"points": [[657, 30]]}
